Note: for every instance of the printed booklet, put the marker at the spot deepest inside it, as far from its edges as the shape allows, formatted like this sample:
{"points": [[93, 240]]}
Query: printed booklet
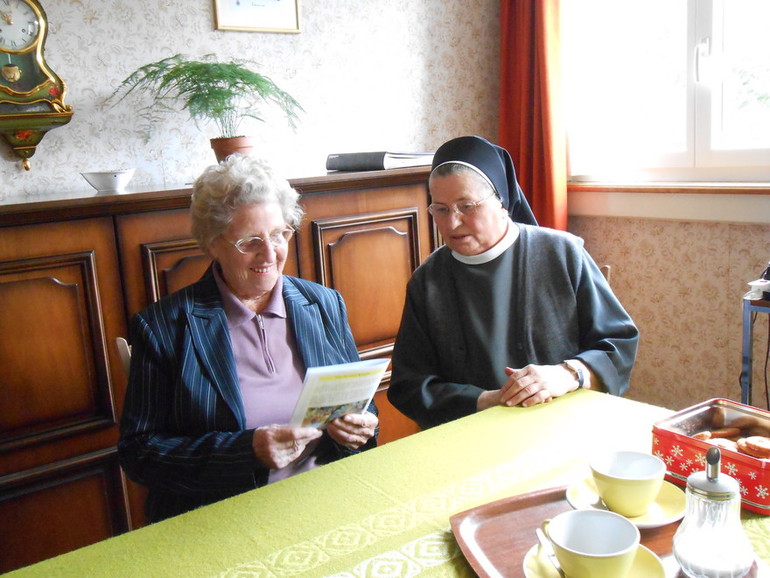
{"points": [[332, 391]]}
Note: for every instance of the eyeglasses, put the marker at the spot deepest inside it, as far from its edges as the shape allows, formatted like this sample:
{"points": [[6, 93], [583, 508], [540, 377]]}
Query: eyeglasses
{"points": [[467, 208], [251, 245]]}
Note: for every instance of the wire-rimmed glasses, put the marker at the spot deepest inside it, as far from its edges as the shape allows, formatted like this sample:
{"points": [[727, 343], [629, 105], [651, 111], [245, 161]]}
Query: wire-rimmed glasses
{"points": [[467, 208], [251, 245]]}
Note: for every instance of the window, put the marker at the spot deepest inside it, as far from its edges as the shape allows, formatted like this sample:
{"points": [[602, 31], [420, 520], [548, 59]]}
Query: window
{"points": [[667, 89]]}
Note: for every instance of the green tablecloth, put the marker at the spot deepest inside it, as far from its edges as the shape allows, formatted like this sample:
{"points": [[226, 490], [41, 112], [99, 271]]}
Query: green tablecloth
{"points": [[385, 512]]}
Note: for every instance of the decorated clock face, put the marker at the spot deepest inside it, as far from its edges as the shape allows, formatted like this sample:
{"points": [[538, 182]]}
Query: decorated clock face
{"points": [[19, 25], [22, 68], [31, 94]]}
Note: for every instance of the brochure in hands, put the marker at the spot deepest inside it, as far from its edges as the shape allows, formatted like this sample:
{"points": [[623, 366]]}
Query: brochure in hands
{"points": [[332, 391]]}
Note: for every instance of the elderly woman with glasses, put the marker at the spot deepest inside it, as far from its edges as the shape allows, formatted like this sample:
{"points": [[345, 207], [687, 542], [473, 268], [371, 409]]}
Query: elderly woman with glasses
{"points": [[218, 366], [506, 313]]}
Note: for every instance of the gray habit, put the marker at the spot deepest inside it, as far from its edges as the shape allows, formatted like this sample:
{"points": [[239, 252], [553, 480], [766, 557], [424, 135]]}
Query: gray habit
{"points": [[542, 301]]}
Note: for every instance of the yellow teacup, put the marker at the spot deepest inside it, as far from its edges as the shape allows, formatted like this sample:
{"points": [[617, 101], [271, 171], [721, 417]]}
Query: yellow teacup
{"points": [[593, 543], [628, 482]]}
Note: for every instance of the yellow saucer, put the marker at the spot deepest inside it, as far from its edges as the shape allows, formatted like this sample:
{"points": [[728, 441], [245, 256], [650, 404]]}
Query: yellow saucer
{"points": [[667, 508], [646, 565]]}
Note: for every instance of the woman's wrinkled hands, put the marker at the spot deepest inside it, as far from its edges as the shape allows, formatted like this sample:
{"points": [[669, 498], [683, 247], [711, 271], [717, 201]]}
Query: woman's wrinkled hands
{"points": [[536, 384], [353, 430], [277, 446], [531, 385]]}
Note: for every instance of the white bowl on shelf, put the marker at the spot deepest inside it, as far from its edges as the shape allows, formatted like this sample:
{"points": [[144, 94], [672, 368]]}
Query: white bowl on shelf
{"points": [[109, 181]]}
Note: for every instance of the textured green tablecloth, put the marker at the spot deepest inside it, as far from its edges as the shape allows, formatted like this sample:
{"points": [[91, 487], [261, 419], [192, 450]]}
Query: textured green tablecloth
{"points": [[385, 512]]}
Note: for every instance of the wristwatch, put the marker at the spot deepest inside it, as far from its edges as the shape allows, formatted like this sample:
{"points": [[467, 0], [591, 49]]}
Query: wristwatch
{"points": [[577, 371]]}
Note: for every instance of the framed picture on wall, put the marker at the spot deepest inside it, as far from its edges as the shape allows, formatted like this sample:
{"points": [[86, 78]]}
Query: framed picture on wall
{"points": [[257, 15]]}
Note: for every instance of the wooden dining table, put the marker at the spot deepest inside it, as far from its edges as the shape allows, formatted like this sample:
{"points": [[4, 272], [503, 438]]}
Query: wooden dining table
{"points": [[387, 512]]}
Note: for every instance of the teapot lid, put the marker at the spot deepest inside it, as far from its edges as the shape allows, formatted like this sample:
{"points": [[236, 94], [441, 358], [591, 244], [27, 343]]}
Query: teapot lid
{"points": [[712, 484]]}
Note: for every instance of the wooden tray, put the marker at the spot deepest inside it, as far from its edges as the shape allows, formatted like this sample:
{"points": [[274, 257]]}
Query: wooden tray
{"points": [[495, 537]]}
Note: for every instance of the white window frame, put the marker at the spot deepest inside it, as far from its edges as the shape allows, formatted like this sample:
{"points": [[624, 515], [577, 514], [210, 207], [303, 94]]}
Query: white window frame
{"points": [[699, 163]]}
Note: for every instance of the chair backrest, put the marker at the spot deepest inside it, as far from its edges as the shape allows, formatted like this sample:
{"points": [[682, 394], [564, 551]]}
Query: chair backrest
{"points": [[124, 349]]}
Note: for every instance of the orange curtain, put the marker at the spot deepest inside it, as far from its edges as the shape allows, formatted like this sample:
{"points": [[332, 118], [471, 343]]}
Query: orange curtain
{"points": [[531, 124]]}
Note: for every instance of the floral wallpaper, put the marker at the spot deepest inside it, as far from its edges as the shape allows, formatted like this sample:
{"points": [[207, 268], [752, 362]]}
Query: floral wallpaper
{"points": [[370, 75], [682, 282]]}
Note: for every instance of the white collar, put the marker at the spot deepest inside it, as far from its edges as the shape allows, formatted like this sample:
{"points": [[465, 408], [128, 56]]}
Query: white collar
{"points": [[511, 234]]}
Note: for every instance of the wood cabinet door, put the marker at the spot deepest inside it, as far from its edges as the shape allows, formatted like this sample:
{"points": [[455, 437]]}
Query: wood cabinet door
{"points": [[366, 243], [369, 258], [158, 256], [61, 389]]}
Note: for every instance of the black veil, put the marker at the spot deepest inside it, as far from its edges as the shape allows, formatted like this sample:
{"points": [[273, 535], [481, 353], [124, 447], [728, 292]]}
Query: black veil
{"points": [[495, 162]]}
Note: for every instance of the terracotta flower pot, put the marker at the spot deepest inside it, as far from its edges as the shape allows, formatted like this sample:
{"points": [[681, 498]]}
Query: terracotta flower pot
{"points": [[224, 147]]}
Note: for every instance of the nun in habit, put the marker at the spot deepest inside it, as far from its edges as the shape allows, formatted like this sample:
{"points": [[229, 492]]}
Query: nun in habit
{"points": [[506, 312]]}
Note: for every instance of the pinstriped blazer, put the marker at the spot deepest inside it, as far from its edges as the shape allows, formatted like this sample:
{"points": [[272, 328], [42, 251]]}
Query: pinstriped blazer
{"points": [[182, 431]]}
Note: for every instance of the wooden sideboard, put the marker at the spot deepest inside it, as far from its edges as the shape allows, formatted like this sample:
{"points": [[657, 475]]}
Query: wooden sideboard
{"points": [[73, 270]]}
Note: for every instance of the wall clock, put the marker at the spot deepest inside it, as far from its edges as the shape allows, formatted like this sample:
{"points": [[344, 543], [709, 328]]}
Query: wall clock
{"points": [[31, 94]]}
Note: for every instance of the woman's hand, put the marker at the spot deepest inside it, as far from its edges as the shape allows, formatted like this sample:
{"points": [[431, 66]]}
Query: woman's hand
{"points": [[536, 384], [488, 399], [353, 430], [277, 446]]}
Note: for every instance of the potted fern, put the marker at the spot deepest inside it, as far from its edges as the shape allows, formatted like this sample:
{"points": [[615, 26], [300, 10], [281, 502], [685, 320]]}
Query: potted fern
{"points": [[224, 93]]}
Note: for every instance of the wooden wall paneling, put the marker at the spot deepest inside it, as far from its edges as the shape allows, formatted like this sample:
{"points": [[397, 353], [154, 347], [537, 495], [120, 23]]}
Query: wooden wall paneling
{"points": [[358, 201], [48, 354], [48, 511], [369, 258], [61, 389], [171, 265], [141, 238], [52, 387], [394, 425]]}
